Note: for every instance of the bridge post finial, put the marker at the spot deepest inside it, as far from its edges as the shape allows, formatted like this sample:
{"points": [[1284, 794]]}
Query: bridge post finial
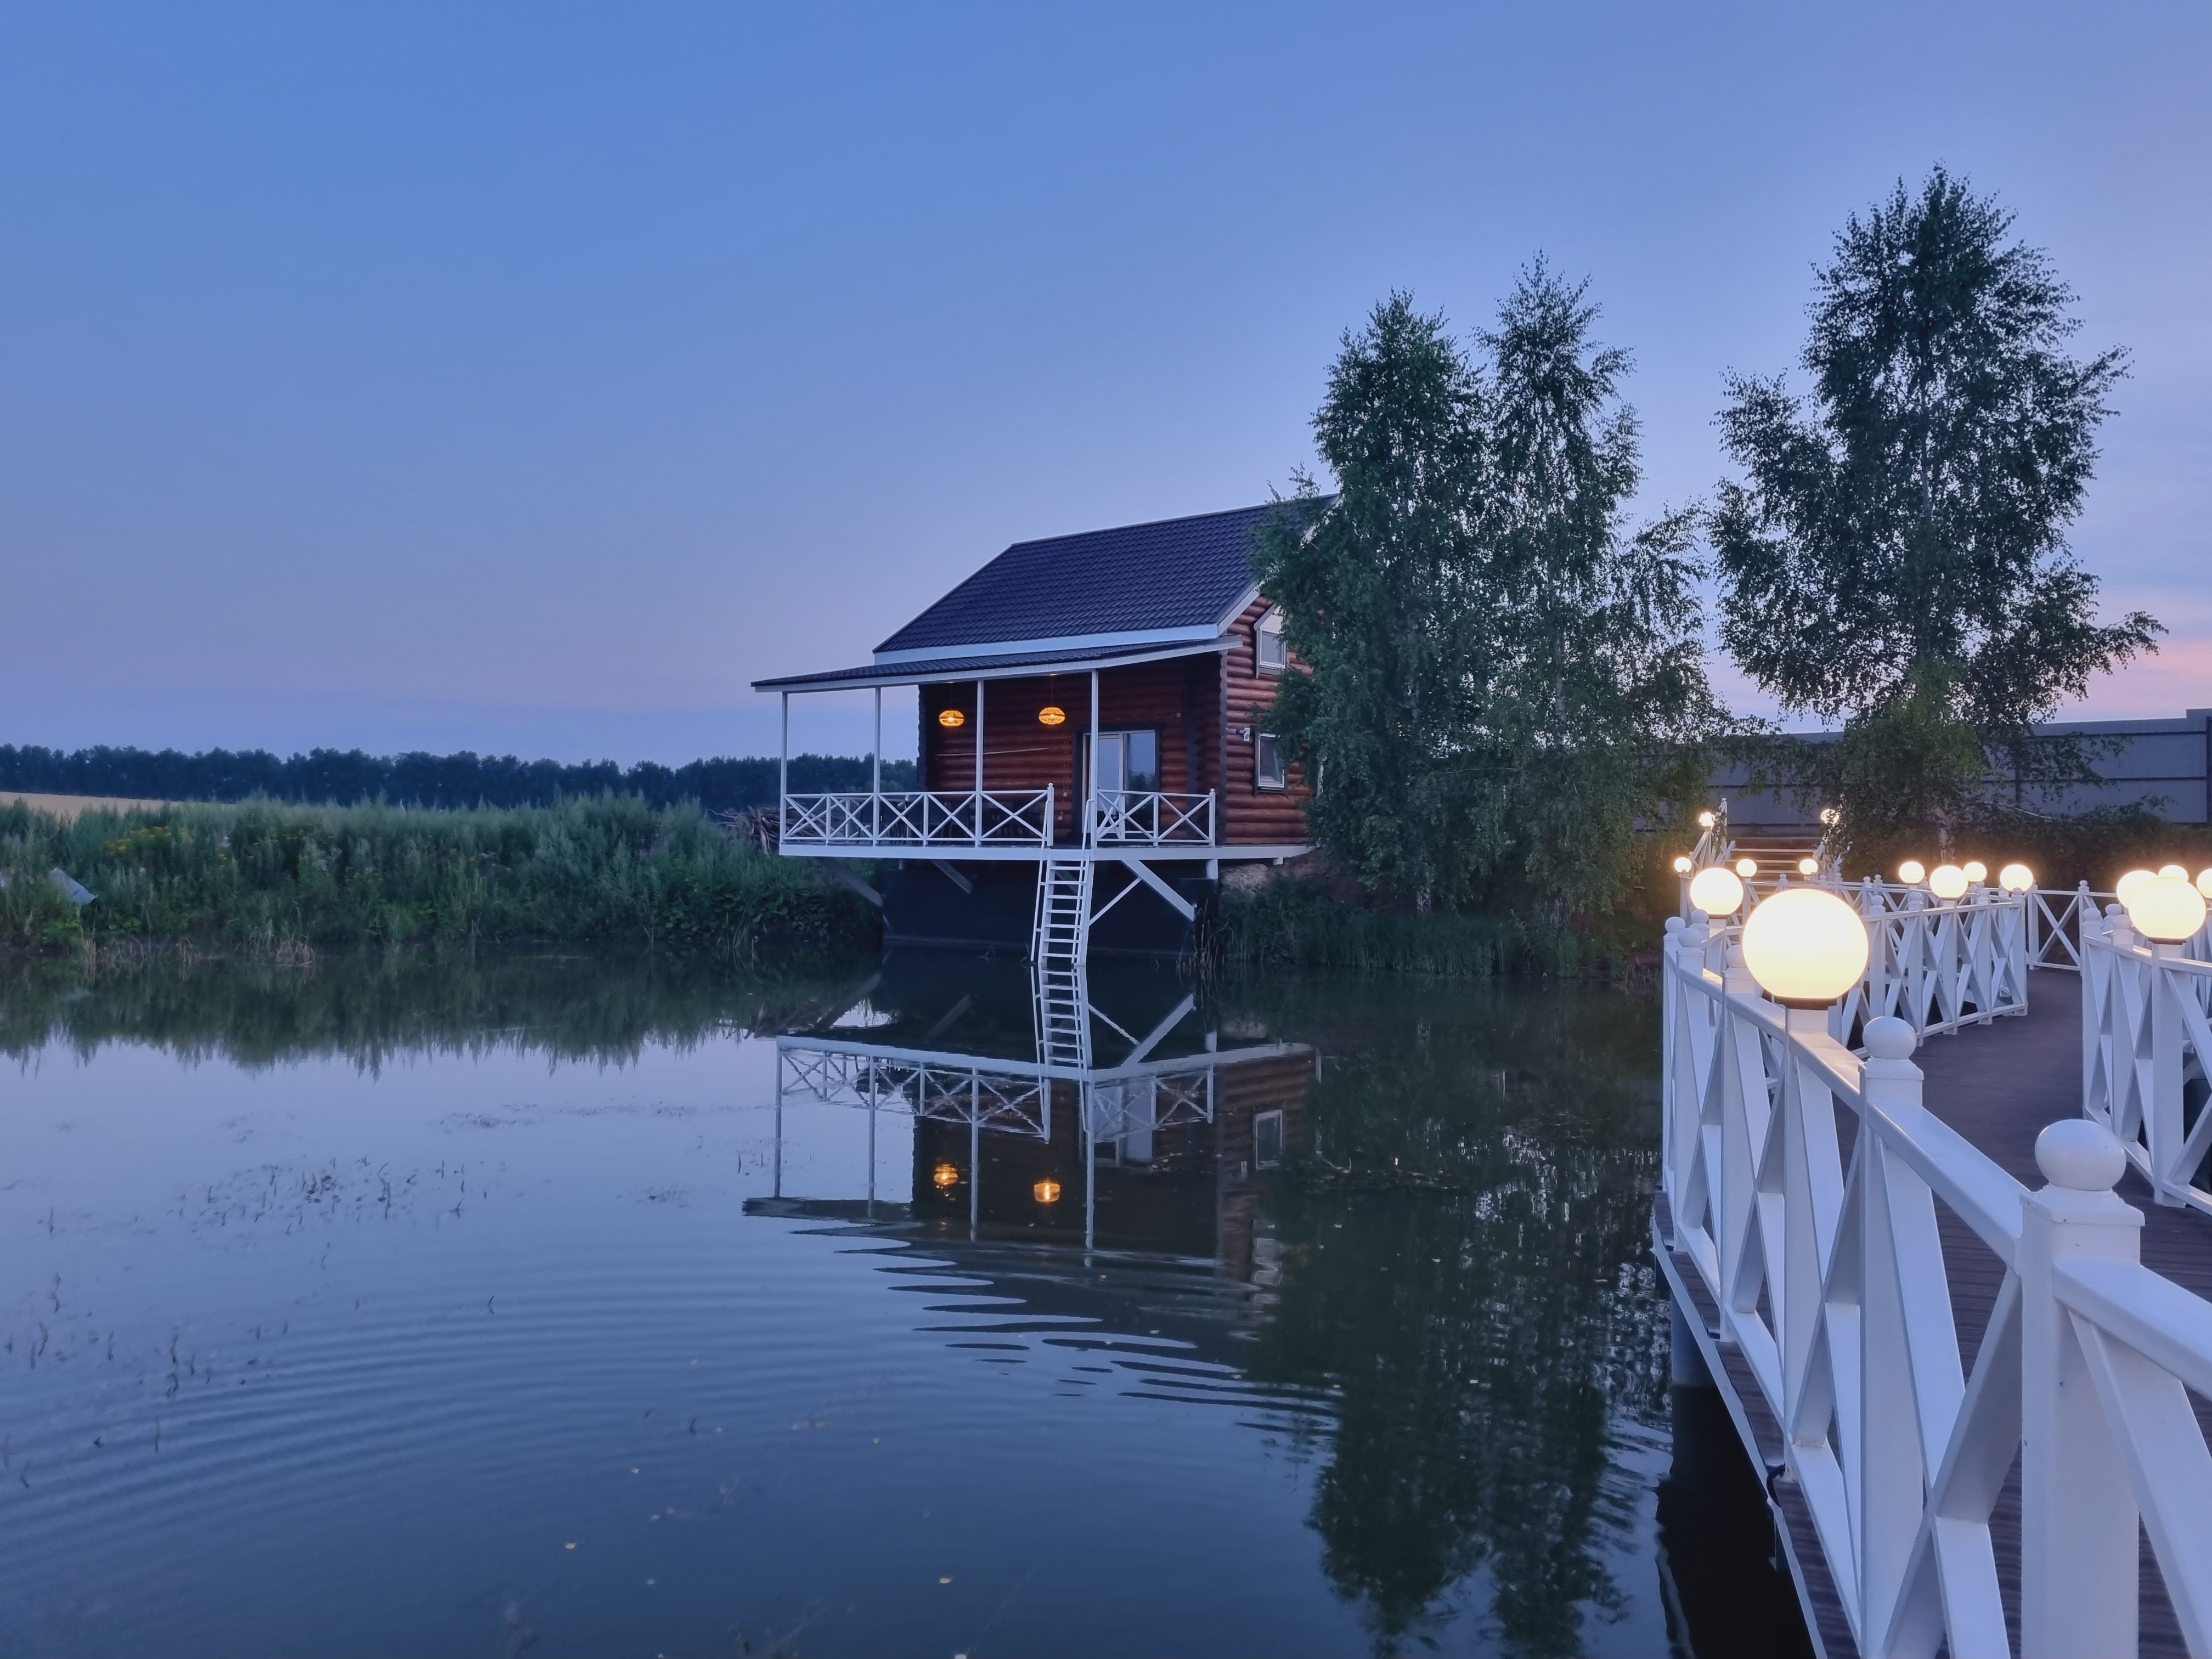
{"points": [[2079, 1521]]}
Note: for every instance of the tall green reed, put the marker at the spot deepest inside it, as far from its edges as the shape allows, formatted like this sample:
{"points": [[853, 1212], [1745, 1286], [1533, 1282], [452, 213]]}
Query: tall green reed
{"points": [[264, 875]]}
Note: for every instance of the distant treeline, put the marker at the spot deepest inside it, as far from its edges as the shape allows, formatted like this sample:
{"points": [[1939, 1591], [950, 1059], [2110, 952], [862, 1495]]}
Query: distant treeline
{"points": [[343, 777]]}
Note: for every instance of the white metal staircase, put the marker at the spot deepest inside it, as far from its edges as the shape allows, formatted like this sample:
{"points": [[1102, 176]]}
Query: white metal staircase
{"points": [[1059, 944]]}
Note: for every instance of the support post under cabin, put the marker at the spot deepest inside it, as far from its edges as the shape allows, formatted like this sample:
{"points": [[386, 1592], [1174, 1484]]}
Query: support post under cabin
{"points": [[979, 763], [783, 770], [876, 826], [1090, 782]]}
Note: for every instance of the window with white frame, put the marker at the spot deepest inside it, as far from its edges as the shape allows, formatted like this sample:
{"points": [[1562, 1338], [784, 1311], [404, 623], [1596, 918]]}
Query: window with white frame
{"points": [[1266, 1138], [1267, 762], [1267, 643]]}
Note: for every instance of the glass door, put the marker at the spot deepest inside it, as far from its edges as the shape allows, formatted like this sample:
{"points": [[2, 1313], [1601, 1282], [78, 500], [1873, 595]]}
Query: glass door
{"points": [[1126, 760]]}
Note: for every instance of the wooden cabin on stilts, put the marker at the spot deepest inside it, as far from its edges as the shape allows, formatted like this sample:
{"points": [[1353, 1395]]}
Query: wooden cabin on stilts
{"points": [[1093, 750]]}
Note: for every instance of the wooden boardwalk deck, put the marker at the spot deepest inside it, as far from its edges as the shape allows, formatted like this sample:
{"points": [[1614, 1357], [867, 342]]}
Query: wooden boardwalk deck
{"points": [[1998, 1084]]}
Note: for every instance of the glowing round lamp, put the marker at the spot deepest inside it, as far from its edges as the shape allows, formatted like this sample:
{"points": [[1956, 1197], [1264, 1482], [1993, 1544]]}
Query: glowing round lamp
{"points": [[1977, 871], [2165, 908], [1046, 1192], [2127, 883], [1704, 820], [1684, 864], [1911, 871], [1805, 946], [950, 719], [1051, 715], [1747, 868], [1715, 891], [1808, 867], [2173, 870], [946, 1176], [2015, 878], [1828, 814], [2204, 883], [1948, 882]]}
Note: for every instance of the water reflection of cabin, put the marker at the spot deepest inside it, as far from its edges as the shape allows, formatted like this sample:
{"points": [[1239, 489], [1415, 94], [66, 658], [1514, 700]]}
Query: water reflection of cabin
{"points": [[1093, 725], [1165, 1143]]}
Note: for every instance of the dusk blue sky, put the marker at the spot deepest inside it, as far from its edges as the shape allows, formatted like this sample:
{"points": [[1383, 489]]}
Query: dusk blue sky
{"points": [[533, 378]]}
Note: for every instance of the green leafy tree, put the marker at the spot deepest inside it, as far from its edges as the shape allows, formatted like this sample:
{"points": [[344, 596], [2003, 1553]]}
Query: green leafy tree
{"points": [[1501, 673], [1895, 553]]}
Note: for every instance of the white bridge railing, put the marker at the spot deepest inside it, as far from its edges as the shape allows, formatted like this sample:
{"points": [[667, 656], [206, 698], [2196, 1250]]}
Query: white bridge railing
{"points": [[1804, 1186], [920, 817], [1149, 818], [2147, 1052], [1938, 965]]}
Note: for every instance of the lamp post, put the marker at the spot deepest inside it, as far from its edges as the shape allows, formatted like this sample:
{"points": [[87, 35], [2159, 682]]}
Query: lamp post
{"points": [[1807, 948]]}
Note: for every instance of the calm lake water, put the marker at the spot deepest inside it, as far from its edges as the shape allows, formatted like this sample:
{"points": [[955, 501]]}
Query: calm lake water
{"points": [[544, 1304]]}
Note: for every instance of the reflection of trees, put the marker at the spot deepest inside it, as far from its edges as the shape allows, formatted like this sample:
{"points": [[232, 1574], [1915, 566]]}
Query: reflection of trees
{"points": [[372, 1004], [1466, 1265]]}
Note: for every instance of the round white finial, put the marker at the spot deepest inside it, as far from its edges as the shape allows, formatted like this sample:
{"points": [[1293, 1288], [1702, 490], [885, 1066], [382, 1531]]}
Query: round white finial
{"points": [[1735, 955], [2080, 1155], [1890, 1038], [1674, 924]]}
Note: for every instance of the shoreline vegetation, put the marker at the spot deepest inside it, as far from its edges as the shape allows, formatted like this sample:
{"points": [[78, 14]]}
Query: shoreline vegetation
{"points": [[268, 877], [276, 881]]}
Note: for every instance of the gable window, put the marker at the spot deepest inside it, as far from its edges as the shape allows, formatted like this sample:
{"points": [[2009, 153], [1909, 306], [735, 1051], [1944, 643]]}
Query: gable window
{"points": [[1267, 643], [1268, 762]]}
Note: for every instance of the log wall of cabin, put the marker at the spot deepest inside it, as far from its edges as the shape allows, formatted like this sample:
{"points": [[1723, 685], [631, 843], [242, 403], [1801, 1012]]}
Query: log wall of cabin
{"points": [[1173, 698], [1249, 814], [1241, 1092]]}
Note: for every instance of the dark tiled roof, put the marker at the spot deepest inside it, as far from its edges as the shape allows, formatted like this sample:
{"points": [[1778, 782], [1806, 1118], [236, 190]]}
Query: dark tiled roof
{"points": [[905, 673], [1177, 573]]}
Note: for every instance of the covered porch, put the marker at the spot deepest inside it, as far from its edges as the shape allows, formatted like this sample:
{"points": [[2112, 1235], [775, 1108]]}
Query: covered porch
{"points": [[1072, 754]]}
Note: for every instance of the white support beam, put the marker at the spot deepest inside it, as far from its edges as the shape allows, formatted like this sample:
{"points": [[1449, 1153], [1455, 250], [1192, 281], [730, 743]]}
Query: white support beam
{"points": [[1181, 906]]}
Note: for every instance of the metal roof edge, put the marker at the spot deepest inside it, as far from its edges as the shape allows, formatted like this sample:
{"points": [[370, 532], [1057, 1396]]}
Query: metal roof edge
{"points": [[1050, 642], [846, 679]]}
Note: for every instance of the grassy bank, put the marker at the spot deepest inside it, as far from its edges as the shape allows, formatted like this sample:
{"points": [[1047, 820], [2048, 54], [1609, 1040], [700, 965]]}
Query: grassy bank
{"points": [[261, 875]]}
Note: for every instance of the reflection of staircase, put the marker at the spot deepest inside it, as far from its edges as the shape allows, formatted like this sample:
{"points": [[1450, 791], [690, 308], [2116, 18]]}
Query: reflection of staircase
{"points": [[1061, 942]]}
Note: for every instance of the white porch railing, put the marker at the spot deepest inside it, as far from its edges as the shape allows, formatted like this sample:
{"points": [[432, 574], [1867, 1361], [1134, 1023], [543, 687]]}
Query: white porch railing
{"points": [[933, 817], [2147, 1052], [1829, 1276], [1148, 818]]}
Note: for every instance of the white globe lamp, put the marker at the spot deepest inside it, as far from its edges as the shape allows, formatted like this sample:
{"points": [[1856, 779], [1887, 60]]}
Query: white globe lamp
{"points": [[1808, 867], [2204, 883], [1684, 864], [1948, 881], [2015, 878], [2173, 870], [1805, 946], [2165, 909], [2127, 883], [1976, 870], [1715, 891]]}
